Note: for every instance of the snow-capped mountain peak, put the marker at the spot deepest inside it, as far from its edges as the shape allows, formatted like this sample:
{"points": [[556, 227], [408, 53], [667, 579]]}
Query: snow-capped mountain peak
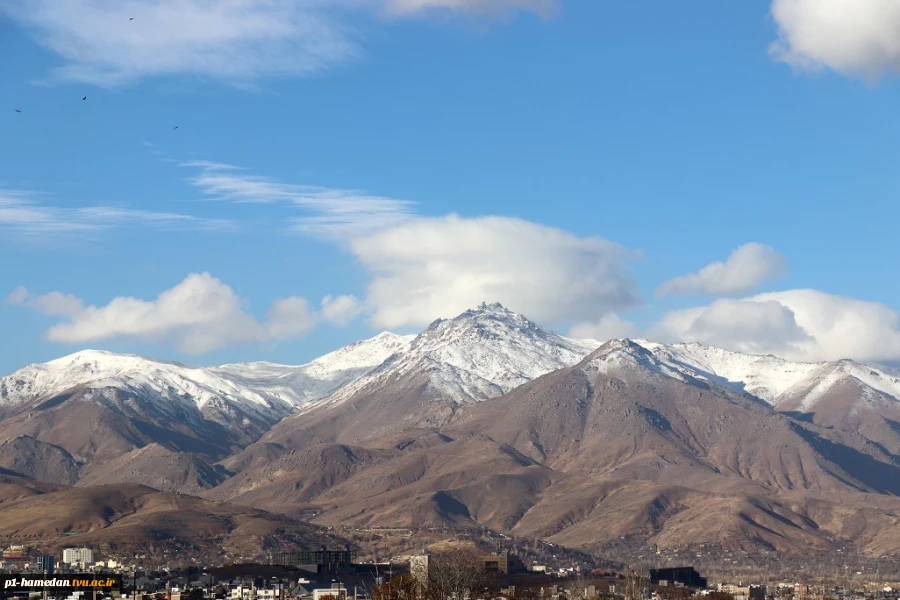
{"points": [[480, 354], [627, 355]]}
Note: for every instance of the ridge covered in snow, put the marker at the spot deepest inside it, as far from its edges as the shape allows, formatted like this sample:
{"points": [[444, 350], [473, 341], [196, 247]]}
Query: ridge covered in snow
{"points": [[262, 386], [769, 378], [322, 376]]}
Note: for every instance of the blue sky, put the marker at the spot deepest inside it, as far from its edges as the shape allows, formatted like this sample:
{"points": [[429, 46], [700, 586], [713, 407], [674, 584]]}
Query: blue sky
{"points": [[581, 162]]}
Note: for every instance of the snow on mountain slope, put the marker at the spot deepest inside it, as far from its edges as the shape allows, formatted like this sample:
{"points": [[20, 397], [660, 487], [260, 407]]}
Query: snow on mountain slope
{"points": [[150, 380], [322, 376], [778, 382], [626, 355], [274, 390], [481, 354], [764, 376], [806, 393]]}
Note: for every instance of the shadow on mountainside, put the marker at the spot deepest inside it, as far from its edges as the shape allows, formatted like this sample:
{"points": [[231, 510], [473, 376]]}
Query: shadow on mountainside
{"points": [[179, 442], [800, 416], [883, 478]]}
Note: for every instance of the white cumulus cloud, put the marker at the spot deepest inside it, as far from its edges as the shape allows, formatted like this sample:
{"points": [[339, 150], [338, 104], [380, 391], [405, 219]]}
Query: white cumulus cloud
{"points": [[744, 270], [18, 295], [341, 309], [807, 325], [429, 268], [54, 304], [198, 315], [852, 37]]}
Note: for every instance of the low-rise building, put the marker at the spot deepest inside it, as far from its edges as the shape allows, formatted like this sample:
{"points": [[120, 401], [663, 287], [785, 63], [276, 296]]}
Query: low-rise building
{"points": [[337, 591]]}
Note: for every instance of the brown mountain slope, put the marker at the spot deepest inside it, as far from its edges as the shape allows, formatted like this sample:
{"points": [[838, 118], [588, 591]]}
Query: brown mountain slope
{"points": [[847, 405], [90, 428], [612, 415], [130, 516], [403, 402], [591, 513], [157, 467], [39, 460], [288, 482], [374, 483], [14, 486], [461, 482]]}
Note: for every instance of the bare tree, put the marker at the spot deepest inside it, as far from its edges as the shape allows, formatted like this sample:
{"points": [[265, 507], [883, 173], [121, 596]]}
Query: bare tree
{"points": [[527, 591], [455, 575], [672, 592], [578, 588], [403, 587]]}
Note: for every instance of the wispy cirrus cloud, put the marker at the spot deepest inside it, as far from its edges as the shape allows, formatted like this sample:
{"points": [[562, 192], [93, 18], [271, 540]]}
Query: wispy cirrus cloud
{"points": [[333, 213], [240, 42], [480, 7], [28, 214]]}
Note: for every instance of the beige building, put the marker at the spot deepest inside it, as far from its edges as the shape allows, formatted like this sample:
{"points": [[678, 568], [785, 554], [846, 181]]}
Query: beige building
{"points": [[496, 562], [83, 556]]}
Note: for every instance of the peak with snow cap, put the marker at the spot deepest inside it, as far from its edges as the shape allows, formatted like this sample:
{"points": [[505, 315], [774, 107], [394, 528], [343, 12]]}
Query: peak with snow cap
{"points": [[626, 356], [480, 354]]}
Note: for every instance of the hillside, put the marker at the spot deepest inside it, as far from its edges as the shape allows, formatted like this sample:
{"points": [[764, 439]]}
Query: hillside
{"points": [[132, 517]]}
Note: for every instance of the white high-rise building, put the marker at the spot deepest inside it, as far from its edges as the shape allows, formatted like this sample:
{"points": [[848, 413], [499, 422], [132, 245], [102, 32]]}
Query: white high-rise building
{"points": [[84, 556]]}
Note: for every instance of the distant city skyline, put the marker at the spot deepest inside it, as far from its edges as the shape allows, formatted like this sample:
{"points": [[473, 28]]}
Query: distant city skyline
{"points": [[273, 181]]}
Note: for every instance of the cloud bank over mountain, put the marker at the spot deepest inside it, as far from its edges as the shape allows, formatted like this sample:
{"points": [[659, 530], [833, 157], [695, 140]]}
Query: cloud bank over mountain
{"points": [[807, 325]]}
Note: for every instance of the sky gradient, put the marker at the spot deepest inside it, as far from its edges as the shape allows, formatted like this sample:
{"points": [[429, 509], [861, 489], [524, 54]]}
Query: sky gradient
{"points": [[704, 171]]}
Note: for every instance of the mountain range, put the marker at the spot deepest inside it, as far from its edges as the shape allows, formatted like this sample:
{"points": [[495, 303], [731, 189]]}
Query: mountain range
{"points": [[486, 420]]}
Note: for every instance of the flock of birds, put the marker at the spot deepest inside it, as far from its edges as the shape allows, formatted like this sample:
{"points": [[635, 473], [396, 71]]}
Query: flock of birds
{"points": [[85, 98]]}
